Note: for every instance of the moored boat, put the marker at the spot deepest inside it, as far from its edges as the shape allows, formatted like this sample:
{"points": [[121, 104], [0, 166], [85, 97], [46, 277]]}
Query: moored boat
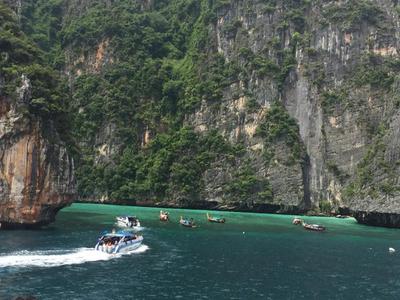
{"points": [[314, 227], [118, 242], [342, 216], [215, 219], [187, 222], [128, 221], [297, 221], [164, 216]]}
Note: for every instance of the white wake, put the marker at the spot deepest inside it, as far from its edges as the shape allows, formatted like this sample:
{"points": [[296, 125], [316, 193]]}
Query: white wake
{"points": [[131, 229], [55, 258]]}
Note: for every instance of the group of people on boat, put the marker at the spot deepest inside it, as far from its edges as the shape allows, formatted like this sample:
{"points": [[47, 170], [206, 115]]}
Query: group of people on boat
{"points": [[124, 240], [116, 242]]}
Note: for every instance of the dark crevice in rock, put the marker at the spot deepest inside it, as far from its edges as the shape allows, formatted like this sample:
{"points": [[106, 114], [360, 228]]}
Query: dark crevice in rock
{"points": [[305, 168]]}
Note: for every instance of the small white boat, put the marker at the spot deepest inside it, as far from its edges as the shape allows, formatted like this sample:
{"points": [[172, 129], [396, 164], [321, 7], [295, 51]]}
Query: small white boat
{"points": [[118, 242], [128, 221]]}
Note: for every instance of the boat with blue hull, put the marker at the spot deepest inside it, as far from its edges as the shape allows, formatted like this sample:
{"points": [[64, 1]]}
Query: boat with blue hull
{"points": [[118, 242]]}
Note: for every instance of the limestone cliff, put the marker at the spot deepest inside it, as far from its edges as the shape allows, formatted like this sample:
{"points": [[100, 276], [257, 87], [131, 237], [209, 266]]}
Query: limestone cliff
{"points": [[341, 88], [36, 171], [36, 176], [268, 105]]}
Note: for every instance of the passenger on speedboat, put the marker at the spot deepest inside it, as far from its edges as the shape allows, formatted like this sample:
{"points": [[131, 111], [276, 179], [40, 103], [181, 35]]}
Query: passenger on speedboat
{"points": [[121, 241]]}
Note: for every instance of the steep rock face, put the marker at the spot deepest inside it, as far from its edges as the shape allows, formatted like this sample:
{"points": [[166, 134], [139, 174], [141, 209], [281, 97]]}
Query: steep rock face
{"points": [[282, 180], [36, 176], [294, 104], [329, 50], [36, 171], [325, 52], [375, 195]]}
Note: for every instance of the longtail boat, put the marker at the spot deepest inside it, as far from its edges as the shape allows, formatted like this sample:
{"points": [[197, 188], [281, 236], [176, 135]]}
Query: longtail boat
{"points": [[164, 216], [215, 219], [314, 227], [187, 222]]}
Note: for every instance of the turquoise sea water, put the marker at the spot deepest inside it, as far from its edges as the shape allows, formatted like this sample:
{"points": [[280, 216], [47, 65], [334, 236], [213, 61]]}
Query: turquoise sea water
{"points": [[252, 256]]}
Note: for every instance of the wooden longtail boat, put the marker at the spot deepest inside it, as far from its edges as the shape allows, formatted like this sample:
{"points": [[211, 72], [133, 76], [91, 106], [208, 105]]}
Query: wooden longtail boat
{"points": [[215, 219], [187, 222], [314, 227], [164, 216]]}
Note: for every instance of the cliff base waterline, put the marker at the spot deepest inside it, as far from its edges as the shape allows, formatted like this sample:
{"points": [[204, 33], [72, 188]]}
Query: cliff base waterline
{"points": [[211, 205], [391, 220]]}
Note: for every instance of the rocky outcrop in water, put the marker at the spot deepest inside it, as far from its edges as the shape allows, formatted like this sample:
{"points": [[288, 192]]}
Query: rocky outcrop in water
{"points": [[36, 174], [36, 171]]}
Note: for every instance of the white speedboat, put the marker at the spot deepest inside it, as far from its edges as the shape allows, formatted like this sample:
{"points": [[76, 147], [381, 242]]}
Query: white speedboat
{"points": [[118, 242], [128, 221]]}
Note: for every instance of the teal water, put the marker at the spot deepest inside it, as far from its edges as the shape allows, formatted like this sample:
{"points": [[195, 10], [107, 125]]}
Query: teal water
{"points": [[252, 256]]}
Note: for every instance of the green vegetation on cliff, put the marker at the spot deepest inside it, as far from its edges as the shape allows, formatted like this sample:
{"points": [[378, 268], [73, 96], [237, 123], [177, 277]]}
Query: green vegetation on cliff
{"points": [[129, 114], [352, 14], [162, 69], [20, 56], [277, 127], [189, 100]]}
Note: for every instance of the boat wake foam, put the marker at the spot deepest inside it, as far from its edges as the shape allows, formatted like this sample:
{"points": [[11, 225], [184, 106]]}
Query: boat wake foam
{"points": [[131, 229], [55, 258]]}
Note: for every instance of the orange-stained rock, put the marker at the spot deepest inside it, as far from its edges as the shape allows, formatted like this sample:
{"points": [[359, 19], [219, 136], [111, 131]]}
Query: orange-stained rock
{"points": [[36, 174]]}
